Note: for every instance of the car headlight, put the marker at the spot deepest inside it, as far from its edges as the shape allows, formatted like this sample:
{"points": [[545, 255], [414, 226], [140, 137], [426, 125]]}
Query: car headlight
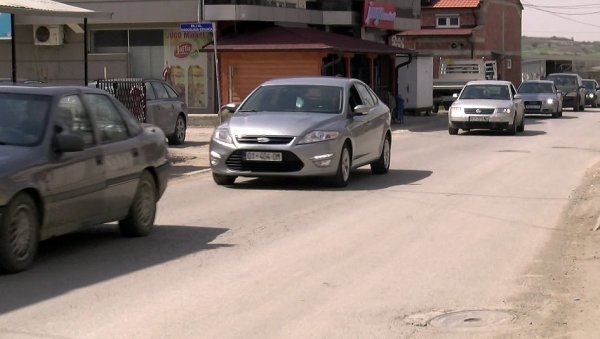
{"points": [[456, 110], [591, 95], [222, 135], [507, 110], [549, 101], [317, 136]]}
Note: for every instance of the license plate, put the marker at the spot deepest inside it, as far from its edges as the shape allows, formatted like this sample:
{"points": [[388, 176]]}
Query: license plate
{"points": [[263, 156], [533, 107], [479, 118]]}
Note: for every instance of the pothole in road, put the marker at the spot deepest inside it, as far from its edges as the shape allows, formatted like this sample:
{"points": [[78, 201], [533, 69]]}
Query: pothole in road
{"points": [[472, 318]]}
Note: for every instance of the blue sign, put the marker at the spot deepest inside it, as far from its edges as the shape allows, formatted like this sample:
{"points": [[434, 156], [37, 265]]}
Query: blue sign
{"points": [[197, 27], [5, 31]]}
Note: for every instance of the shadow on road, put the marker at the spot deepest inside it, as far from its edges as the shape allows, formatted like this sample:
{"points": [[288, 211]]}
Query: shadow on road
{"points": [[189, 144], [491, 133], [360, 180], [99, 254]]}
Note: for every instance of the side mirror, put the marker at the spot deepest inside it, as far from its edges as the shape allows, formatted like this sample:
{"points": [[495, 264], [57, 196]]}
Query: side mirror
{"points": [[518, 96], [230, 107], [68, 142], [361, 109], [455, 95]]}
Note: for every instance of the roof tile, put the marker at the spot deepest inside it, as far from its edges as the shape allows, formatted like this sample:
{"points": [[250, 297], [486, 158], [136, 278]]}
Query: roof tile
{"points": [[454, 4]]}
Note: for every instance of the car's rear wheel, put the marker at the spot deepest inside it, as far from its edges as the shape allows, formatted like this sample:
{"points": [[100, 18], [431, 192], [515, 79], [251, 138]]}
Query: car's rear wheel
{"points": [[19, 234], [140, 220], [223, 179], [452, 130], [382, 164], [342, 176], [178, 136]]}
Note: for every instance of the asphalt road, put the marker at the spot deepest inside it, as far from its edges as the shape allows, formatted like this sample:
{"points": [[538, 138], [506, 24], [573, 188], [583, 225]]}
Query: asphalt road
{"points": [[474, 228]]}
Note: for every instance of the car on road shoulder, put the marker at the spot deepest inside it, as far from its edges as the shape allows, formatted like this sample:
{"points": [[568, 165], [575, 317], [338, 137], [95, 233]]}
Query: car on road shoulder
{"points": [[571, 85], [592, 92], [306, 126], [541, 97], [487, 104], [72, 157]]}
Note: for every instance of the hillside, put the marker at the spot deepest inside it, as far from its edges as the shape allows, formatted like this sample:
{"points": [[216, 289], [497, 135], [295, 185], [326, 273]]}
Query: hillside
{"points": [[559, 48]]}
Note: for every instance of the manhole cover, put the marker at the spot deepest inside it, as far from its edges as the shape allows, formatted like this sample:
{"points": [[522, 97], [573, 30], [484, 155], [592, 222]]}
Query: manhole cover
{"points": [[475, 318]]}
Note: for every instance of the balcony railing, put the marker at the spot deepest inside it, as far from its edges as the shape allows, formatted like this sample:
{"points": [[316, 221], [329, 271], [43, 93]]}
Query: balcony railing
{"points": [[326, 5]]}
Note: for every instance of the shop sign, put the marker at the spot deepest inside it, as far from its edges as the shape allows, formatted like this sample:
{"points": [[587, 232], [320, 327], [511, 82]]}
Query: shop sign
{"points": [[379, 15], [5, 31]]}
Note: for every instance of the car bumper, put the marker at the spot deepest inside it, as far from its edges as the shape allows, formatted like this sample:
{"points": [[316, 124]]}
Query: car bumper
{"points": [[540, 107], [316, 159], [474, 121], [162, 174]]}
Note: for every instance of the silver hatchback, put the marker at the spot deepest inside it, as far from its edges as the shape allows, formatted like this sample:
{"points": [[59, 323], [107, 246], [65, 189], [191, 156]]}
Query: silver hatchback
{"points": [[310, 126]]}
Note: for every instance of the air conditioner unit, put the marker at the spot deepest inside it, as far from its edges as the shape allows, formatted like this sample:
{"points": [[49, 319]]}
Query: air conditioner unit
{"points": [[456, 45], [48, 35]]}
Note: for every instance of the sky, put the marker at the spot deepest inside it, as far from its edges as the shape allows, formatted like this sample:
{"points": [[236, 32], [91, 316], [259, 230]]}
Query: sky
{"points": [[577, 19]]}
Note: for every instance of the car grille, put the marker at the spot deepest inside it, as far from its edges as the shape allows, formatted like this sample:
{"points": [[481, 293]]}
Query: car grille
{"points": [[527, 103], [264, 140], [290, 163], [481, 110]]}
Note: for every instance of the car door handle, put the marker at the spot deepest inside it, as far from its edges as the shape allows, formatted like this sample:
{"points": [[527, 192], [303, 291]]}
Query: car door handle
{"points": [[99, 160], [135, 152]]}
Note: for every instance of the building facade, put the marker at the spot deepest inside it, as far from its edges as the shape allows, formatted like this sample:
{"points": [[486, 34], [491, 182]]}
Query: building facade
{"points": [[144, 37], [468, 29]]}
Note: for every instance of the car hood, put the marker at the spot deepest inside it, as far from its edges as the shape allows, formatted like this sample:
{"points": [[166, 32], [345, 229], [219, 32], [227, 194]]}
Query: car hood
{"points": [[16, 158], [272, 123], [482, 103], [536, 96]]}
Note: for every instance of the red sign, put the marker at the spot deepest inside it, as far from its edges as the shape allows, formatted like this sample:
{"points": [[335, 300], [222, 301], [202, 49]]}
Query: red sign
{"points": [[379, 15], [183, 50]]}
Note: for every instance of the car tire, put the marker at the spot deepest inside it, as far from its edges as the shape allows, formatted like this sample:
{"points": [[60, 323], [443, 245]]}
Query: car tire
{"points": [[223, 179], [595, 104], [512, 129], [576, 105], [382, 164], [19, 234], [452, 130], [139, 221], [342, 175], [521, 127], [178, 136]]}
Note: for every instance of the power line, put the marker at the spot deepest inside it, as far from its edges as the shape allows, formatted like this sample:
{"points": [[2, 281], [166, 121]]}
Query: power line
{"points": [[560, 15]]}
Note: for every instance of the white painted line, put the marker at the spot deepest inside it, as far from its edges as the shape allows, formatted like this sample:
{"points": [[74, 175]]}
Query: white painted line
{"points": [[198, 171]]}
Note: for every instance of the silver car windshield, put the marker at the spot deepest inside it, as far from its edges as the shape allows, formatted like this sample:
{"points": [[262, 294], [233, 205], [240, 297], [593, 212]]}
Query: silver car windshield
{"points": [[295, 98], [22, 118], [534, 87], [493, 92]]}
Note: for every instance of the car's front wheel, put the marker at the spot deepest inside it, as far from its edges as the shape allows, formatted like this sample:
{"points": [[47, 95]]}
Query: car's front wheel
{"points": [[512, 129], [382, 164], [521, 127], [178, 136], [19, 234], [223, 179], [140, 220], [452, 130], [342, 176]]}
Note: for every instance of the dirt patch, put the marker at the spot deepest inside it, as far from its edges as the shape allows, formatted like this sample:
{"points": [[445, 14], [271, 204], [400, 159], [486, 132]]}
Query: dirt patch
{"points": [[564, 283]]}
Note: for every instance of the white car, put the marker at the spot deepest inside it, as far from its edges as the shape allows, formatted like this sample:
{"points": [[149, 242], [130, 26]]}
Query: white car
{"points": [[487, 104]]}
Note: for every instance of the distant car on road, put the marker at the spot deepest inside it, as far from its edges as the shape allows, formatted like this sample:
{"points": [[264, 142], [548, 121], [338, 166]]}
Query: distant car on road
{"points": [[571, 85], [592, 92], [541, 97], [312, 126], [72, 157], [487, 104]]}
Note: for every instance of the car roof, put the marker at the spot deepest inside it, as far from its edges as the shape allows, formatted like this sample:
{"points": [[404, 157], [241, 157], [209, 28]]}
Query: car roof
{"points": [[43, 89], [324, 80], [563, 74], [594, 80], [489, 82], [538, 81]]}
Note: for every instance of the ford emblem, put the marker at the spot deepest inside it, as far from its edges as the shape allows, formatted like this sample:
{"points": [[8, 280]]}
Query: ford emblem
{"points": [[478, 111], [263, 140]]}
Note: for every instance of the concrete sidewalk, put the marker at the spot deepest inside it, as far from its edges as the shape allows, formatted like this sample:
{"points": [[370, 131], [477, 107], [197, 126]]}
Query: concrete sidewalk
{"points": [[192, 157]]}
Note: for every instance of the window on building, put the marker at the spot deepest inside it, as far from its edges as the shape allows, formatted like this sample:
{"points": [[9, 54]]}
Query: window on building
{"points": [[448, 21]]}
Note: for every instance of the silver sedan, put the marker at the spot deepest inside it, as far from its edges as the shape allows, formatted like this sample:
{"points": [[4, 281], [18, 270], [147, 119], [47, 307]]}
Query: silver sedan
{"points": [[311, 126], [487, 104], [541, 97]]}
